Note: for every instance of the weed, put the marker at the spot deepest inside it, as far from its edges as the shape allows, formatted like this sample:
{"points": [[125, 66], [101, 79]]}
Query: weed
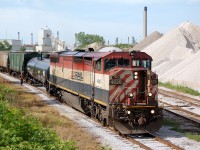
{"points": [[180, 88]]}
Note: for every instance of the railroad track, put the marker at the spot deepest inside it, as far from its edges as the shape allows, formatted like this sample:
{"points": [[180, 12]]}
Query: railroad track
{"points": [[152, 142], [189, 100], [181, 112], [183, 107]]}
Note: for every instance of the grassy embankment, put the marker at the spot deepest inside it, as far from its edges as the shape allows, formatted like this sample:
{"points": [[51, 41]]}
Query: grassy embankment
{"points": [[175, 125], [26, 122], [180, 88]]}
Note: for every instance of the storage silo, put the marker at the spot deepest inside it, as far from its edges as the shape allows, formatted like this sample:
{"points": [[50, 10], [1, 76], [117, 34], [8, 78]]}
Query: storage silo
{"points": [[45, 37]]}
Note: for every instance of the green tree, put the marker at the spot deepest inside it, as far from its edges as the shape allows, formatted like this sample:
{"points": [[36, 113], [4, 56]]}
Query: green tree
{"points": [[1, 46], [22, 48], [5, 46], [83, 39]]}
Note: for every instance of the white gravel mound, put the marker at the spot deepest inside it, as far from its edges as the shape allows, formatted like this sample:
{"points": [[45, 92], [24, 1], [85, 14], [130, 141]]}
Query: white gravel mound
{"points": [[147, 41], [185, 73], [175, 55], [110, 49]]}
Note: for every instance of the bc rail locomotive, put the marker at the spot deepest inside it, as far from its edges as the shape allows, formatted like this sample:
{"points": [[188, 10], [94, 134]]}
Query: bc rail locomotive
{"points": [[117, 88]]}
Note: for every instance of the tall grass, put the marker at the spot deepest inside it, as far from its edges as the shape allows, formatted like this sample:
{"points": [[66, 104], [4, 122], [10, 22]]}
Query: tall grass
{"points": [[21, 131], [180, 88]]}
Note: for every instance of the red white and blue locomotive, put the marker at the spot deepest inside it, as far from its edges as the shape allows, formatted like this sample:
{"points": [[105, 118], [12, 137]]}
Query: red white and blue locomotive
{"points": [[117, 88]]}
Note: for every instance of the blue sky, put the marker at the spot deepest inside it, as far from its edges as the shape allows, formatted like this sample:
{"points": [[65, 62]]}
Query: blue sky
{"points": [[108, 18]]}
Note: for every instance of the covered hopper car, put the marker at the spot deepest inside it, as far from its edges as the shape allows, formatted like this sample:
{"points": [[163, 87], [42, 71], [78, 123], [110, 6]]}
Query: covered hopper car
{"points": [[18, 62]]}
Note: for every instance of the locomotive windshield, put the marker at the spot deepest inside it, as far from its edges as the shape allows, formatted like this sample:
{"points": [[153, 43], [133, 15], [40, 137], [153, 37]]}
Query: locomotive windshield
{"points": [[111, 63], [142, 63]]}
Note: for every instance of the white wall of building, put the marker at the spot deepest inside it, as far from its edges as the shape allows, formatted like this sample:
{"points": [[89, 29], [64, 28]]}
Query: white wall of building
{"points": [[45, 37]]}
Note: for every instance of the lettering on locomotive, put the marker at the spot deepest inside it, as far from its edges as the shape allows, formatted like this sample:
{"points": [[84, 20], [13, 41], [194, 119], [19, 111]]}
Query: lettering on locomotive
{"points": [[77, 76]]}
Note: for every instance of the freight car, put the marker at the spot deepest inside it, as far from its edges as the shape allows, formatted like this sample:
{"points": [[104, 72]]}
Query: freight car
{"points": [[117, 88], [38, 70], [4, 61], [18, 62]]}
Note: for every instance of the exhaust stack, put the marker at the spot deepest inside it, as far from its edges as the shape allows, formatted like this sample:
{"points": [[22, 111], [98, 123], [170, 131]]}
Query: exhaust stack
{"points": [[31, 38], [18, 36], [145, 22], [58, 35]]}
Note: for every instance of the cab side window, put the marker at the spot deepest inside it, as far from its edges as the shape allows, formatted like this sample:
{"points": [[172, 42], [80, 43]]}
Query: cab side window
{"points": [[98, 65], [136, 63], [110, 63], [123, 62]]}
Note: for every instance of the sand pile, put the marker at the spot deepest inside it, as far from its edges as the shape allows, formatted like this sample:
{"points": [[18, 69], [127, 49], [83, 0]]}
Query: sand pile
{"points": [[147, 41], [95, 46], [176, 55]]}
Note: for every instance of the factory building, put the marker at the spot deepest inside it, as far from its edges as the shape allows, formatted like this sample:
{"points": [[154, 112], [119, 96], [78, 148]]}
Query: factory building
{"points": [[44, 41]]}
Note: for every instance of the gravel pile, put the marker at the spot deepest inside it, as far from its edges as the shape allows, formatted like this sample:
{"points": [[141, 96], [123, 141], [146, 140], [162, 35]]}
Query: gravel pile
{"points": [[147, 41], [176, 55]]}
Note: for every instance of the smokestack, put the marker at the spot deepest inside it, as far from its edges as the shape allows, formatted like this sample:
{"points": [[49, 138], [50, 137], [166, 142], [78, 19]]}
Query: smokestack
{"points": [[145, 21], [18, 36], [31, 38], [57, 34]]}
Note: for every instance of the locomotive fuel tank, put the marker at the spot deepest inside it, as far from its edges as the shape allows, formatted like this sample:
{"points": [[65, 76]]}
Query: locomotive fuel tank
{"points": [[39, 69]]}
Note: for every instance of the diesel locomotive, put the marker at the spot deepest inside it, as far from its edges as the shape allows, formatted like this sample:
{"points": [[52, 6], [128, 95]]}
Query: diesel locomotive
{"points": [[117, 88]]}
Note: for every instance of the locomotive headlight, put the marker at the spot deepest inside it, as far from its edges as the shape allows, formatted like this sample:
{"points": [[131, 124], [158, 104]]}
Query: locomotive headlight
{"points": [[136, 77], [152, 111], [150, 94], [128, 112], [136, 73], [130, 95]]}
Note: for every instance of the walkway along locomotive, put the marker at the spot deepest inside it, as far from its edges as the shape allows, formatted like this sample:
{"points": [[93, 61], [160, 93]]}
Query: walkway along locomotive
{"points": [[117, 88]]}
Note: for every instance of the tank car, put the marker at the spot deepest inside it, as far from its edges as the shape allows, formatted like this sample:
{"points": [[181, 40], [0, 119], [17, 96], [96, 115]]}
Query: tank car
{"points": [[117, 88], [4, 61], [18, 62], [38, 70]]}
